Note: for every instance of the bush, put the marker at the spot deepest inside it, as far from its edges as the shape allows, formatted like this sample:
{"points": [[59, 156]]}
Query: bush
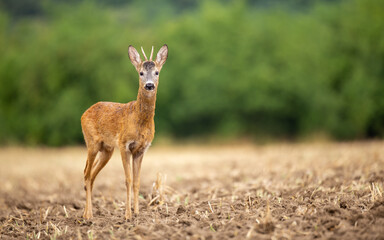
{"points": [[233, 70]]}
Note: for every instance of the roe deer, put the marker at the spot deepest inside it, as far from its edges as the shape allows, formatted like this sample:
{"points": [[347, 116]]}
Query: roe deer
{"points": [[130, 127]]}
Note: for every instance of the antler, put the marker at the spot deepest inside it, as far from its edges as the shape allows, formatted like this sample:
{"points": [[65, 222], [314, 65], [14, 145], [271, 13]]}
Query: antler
{"points": [[146, 59], [150, 59]]}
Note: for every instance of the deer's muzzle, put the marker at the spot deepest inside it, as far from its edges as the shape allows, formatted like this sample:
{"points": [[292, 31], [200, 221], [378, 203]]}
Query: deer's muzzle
{"points": [[149, 86]]}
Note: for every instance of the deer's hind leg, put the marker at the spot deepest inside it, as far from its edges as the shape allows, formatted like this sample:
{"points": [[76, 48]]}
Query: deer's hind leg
{"points": [[102, 159], [92, 152]]}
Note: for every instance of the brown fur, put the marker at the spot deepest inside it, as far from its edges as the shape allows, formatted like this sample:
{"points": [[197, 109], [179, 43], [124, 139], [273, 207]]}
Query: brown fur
{"points": [[130, 127]]}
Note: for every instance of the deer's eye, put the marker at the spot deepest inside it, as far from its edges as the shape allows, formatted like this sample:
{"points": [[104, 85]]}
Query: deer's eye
{"points": [[141, 73], [157, 73]]}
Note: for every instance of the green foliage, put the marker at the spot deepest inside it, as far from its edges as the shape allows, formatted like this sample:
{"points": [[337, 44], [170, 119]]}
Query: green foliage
{"points": [[233, 69]]}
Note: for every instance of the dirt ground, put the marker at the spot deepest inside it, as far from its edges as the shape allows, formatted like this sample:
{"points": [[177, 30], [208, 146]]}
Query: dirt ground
{"points": [[281, 191]]}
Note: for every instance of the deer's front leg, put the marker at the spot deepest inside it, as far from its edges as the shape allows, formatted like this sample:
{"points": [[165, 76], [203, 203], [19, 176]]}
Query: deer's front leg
{"points": [[125, 157], [136, 162]]}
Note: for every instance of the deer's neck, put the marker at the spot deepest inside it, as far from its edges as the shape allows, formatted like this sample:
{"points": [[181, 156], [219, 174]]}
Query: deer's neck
{"points": [[145, 105]]}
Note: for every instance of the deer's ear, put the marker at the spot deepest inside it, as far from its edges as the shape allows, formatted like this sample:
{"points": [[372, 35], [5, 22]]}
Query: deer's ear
{"points": [[134, 56], [162, 55]]}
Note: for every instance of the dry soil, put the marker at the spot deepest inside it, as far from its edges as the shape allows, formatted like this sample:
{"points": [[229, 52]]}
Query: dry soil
{"points": [[280, 191]]}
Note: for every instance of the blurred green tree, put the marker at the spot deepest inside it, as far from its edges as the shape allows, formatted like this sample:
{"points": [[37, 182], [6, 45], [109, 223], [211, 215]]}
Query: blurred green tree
{"points": [[235, 68]]}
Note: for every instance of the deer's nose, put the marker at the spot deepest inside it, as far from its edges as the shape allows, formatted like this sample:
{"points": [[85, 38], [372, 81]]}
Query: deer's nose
{"points": [[149, 86]]}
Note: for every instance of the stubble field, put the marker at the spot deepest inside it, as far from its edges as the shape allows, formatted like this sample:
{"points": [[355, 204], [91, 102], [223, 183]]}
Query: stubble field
{"points": [[280, 191]]}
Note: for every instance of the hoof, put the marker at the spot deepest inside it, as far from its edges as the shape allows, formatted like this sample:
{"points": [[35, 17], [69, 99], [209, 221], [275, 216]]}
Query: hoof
{"points": [[87, 215], [128, 216]]}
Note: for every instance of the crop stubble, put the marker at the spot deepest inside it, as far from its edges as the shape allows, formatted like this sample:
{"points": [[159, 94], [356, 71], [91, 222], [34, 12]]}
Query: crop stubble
{"points": [[280, 191]]}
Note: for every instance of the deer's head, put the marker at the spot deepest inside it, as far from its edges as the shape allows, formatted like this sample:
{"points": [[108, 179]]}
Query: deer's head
{"points": [[148, 70]]}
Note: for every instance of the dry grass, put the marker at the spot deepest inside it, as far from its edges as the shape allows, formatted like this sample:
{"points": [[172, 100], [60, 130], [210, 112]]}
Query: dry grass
{"points": [[287, 191]]}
